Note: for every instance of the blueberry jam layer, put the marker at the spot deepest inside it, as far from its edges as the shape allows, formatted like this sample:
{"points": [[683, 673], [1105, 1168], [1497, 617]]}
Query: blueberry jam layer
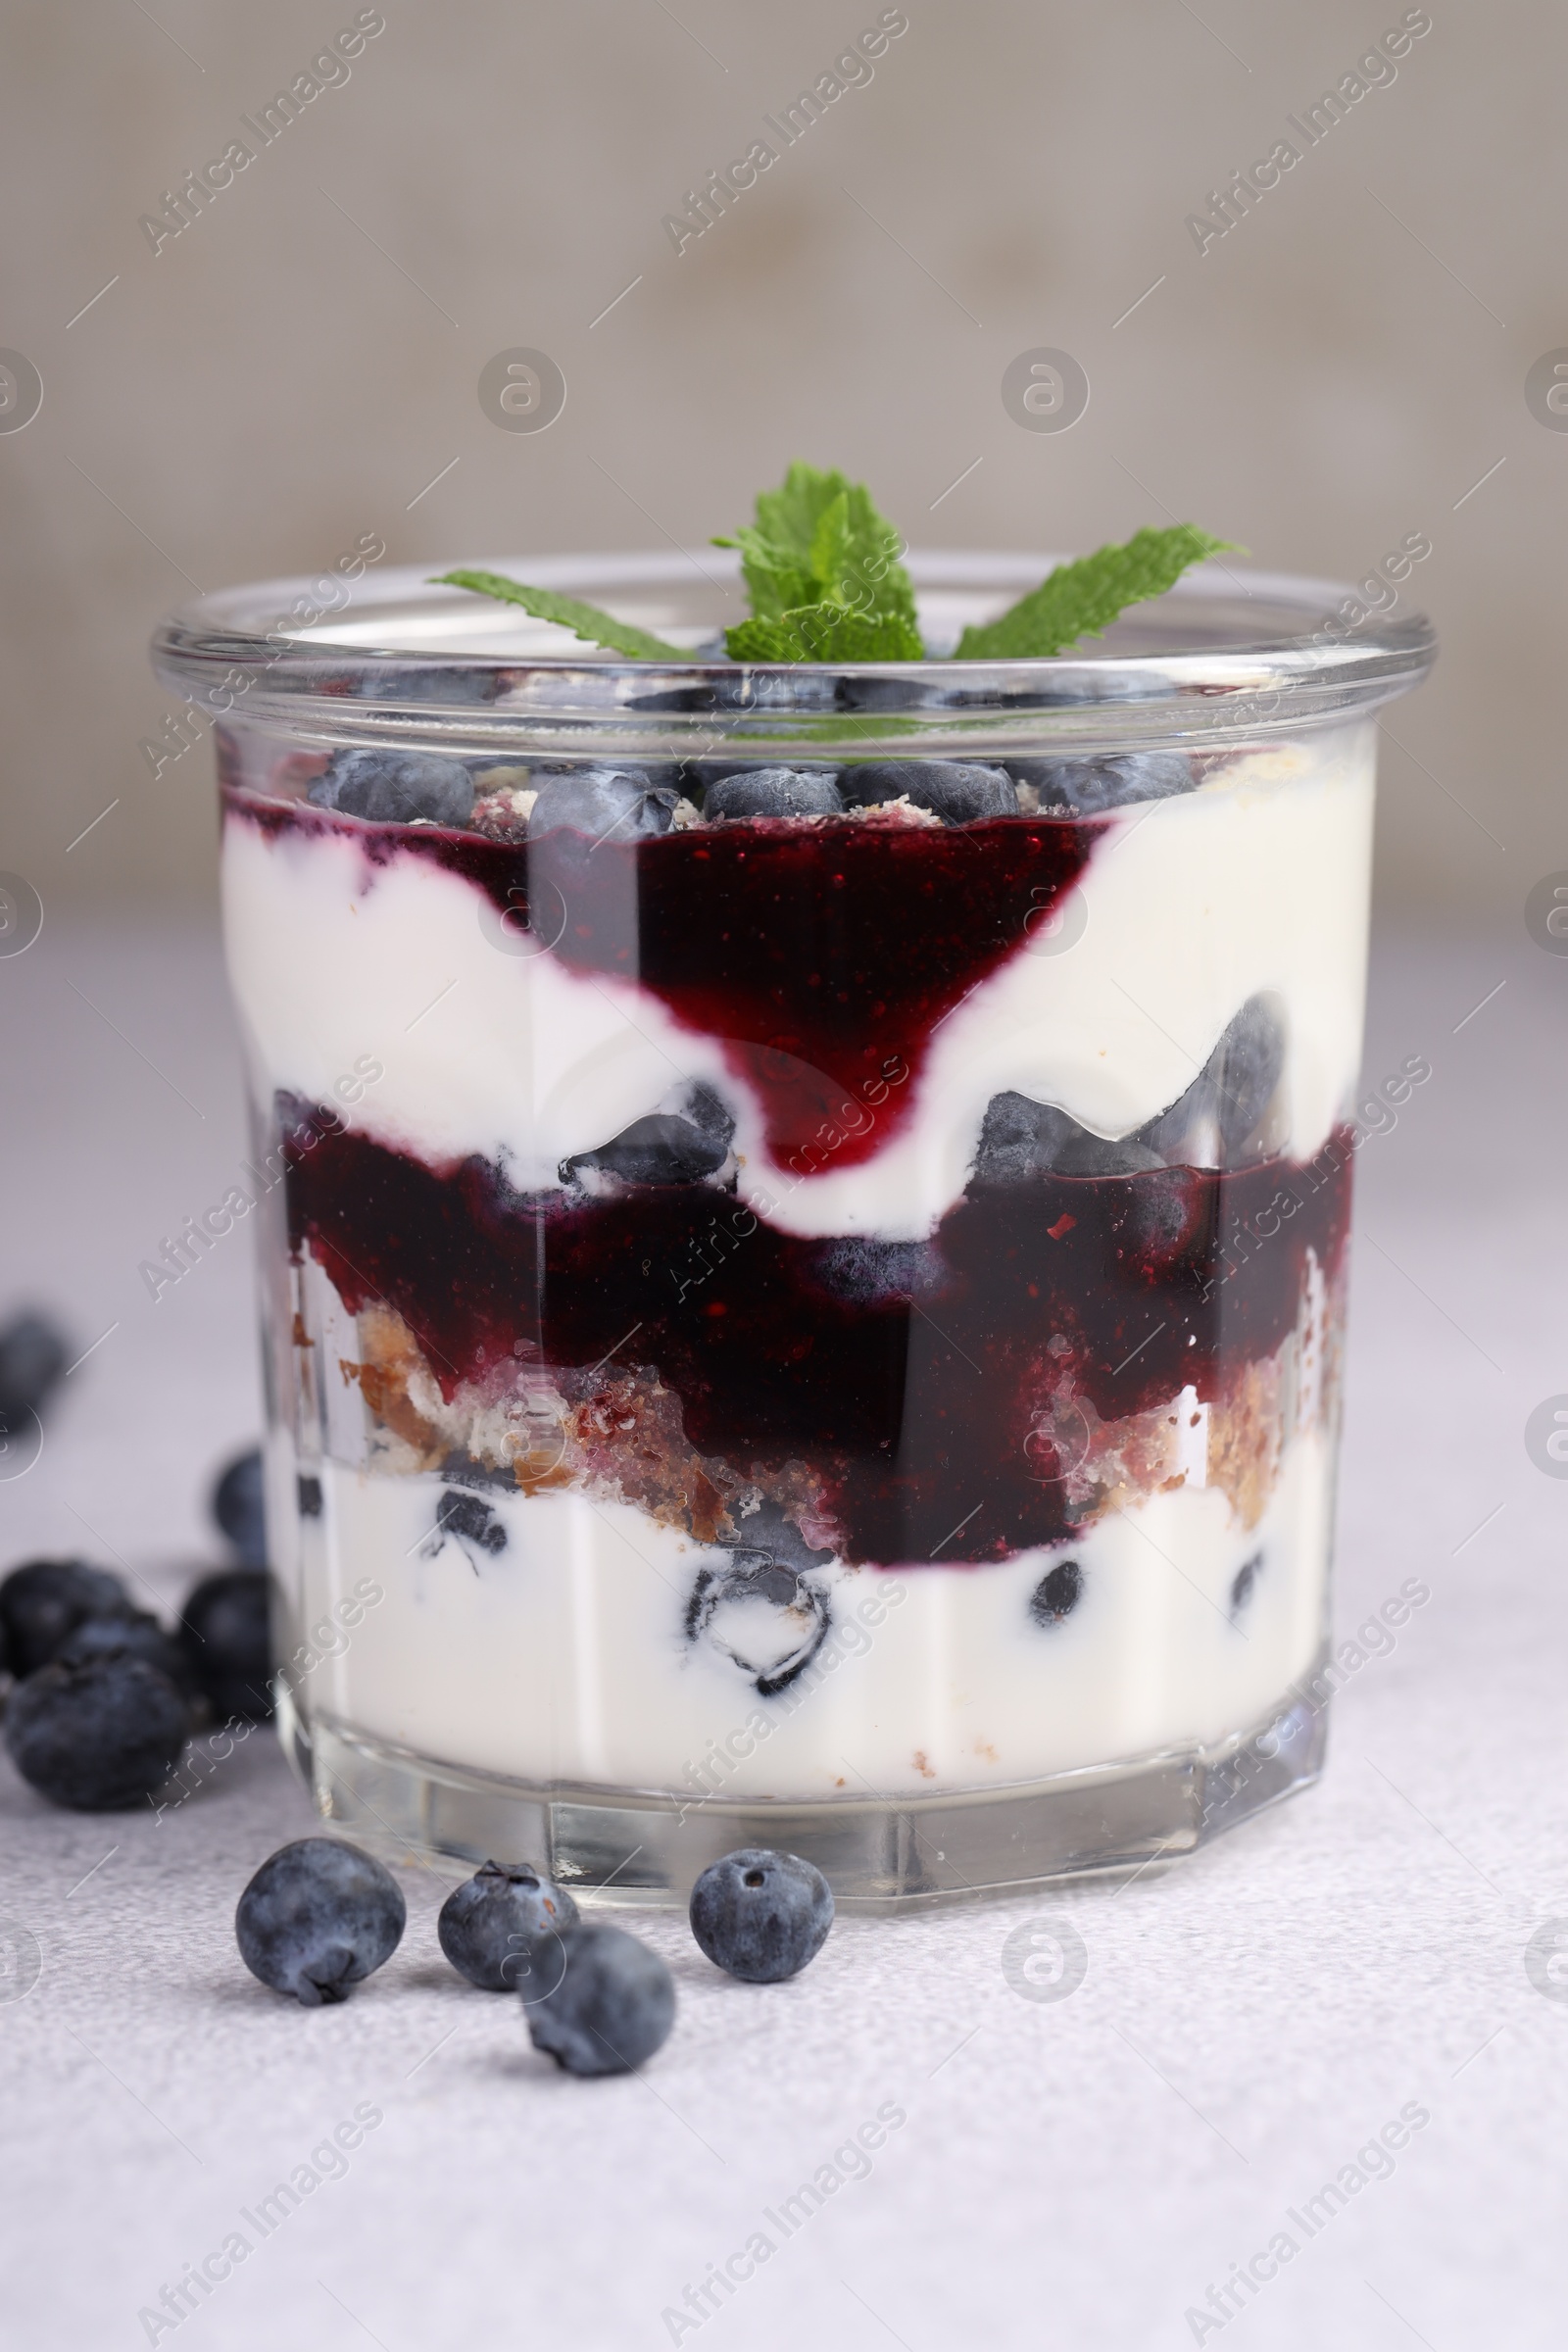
{"points": [[921, 1390], [820, 955]]}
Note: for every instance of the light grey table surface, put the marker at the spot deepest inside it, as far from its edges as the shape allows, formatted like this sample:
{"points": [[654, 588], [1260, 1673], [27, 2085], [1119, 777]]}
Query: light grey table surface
{"points": [[1069, 2173]]}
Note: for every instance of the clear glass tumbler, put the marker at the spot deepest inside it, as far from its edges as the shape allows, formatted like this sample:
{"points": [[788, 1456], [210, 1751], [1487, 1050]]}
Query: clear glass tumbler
{"points": [[799, 1308]]}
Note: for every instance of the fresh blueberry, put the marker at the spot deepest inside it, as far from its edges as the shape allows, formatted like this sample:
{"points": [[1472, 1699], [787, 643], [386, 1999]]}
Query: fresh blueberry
{"points": [[32, 1362], [97, 1737], [394, 788], [1055, 1596], [1089, 787], [605, 2002], [1021, 1141], [1243, 1581], [773, 792], [796, 686], [1209, 1125], [1168, 1219], [136, 1635], [603, 802], [318, 1917], [663, 1149], [487, 1925], [239, 1506], [765, 1608], [454, 685], [224, 1633], [44, 1601], [880, 694], [959, 795], [760, 1915], [1070, 685], [470, 1519], [874, 1273], [1246, 1068], [763, 1615]]}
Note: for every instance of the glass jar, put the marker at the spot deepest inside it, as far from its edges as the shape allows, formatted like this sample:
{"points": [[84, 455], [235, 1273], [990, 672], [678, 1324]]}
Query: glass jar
{"points": [[820, 1329]]}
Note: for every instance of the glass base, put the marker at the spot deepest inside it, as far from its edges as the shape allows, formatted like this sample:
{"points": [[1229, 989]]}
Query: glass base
{"points": [[637, 1848]]}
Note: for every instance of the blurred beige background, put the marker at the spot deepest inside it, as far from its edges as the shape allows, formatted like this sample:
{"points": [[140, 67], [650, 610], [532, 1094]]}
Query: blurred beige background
{"points": [[294, 368]]}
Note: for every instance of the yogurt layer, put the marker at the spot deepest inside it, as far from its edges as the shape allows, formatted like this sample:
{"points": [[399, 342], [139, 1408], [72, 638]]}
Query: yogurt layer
{"points": [[568, 1656]]}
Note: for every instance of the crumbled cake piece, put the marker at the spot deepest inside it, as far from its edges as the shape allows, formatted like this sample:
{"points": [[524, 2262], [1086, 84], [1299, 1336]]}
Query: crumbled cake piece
{"points": [[503, 814], [887, 815], [620, 1436]]}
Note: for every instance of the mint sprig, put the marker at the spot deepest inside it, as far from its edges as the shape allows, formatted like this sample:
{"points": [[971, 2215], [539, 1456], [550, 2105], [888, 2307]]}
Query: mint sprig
{"points": [[819, 540], [825, 632], [826, 582], [585, 620], [1082, 599]]}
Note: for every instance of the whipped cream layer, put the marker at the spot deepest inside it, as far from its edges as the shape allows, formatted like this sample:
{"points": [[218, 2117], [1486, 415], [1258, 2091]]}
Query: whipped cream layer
{"points": [[569, 1656], [1257, 883]]}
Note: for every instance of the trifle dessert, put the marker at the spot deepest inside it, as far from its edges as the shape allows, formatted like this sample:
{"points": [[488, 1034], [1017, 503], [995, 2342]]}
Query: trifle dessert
{"points": [[805, 1175]]}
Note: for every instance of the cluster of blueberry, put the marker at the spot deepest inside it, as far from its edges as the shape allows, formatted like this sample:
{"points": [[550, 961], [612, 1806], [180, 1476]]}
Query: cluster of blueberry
{"points": [[103, 1697], [319, 1916], [405, 787]]}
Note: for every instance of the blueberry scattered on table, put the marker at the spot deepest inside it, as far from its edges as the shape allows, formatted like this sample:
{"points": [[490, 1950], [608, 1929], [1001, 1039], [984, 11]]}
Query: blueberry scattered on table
{"points": [[772, 792], [958, 794], [488, 1925], [97, 1737], [603, 802], [760, 1915], [396, 787], [239, 1506], [33, 1363], [1058, 1593], [43, 1602], [1089, 787], [224, 1635], [317, 1917], [605, 2001], [135, 1634]]}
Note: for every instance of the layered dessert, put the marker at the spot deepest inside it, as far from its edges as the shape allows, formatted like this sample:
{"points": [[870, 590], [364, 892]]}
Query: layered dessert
{"points": [[836, 1281], [805, 1172]]}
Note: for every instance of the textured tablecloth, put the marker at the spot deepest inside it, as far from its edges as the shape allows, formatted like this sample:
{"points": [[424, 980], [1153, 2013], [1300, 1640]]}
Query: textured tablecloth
{"points": [[1076, 2173]]}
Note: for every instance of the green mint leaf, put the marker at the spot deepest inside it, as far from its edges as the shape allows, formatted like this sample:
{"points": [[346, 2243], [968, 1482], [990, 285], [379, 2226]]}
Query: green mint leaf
{"points": [[1081, 599], [585, 620], [819, 540], [831, 548], [776, 579], [825, 632]]}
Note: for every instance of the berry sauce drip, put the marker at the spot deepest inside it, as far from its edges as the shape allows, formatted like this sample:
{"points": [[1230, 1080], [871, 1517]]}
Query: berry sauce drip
{"points": [[821, 955], [917, 1398]]}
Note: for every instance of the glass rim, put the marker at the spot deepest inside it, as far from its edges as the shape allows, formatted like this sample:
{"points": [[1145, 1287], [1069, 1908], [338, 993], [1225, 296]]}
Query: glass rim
{"points": [[1226, 654]]}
